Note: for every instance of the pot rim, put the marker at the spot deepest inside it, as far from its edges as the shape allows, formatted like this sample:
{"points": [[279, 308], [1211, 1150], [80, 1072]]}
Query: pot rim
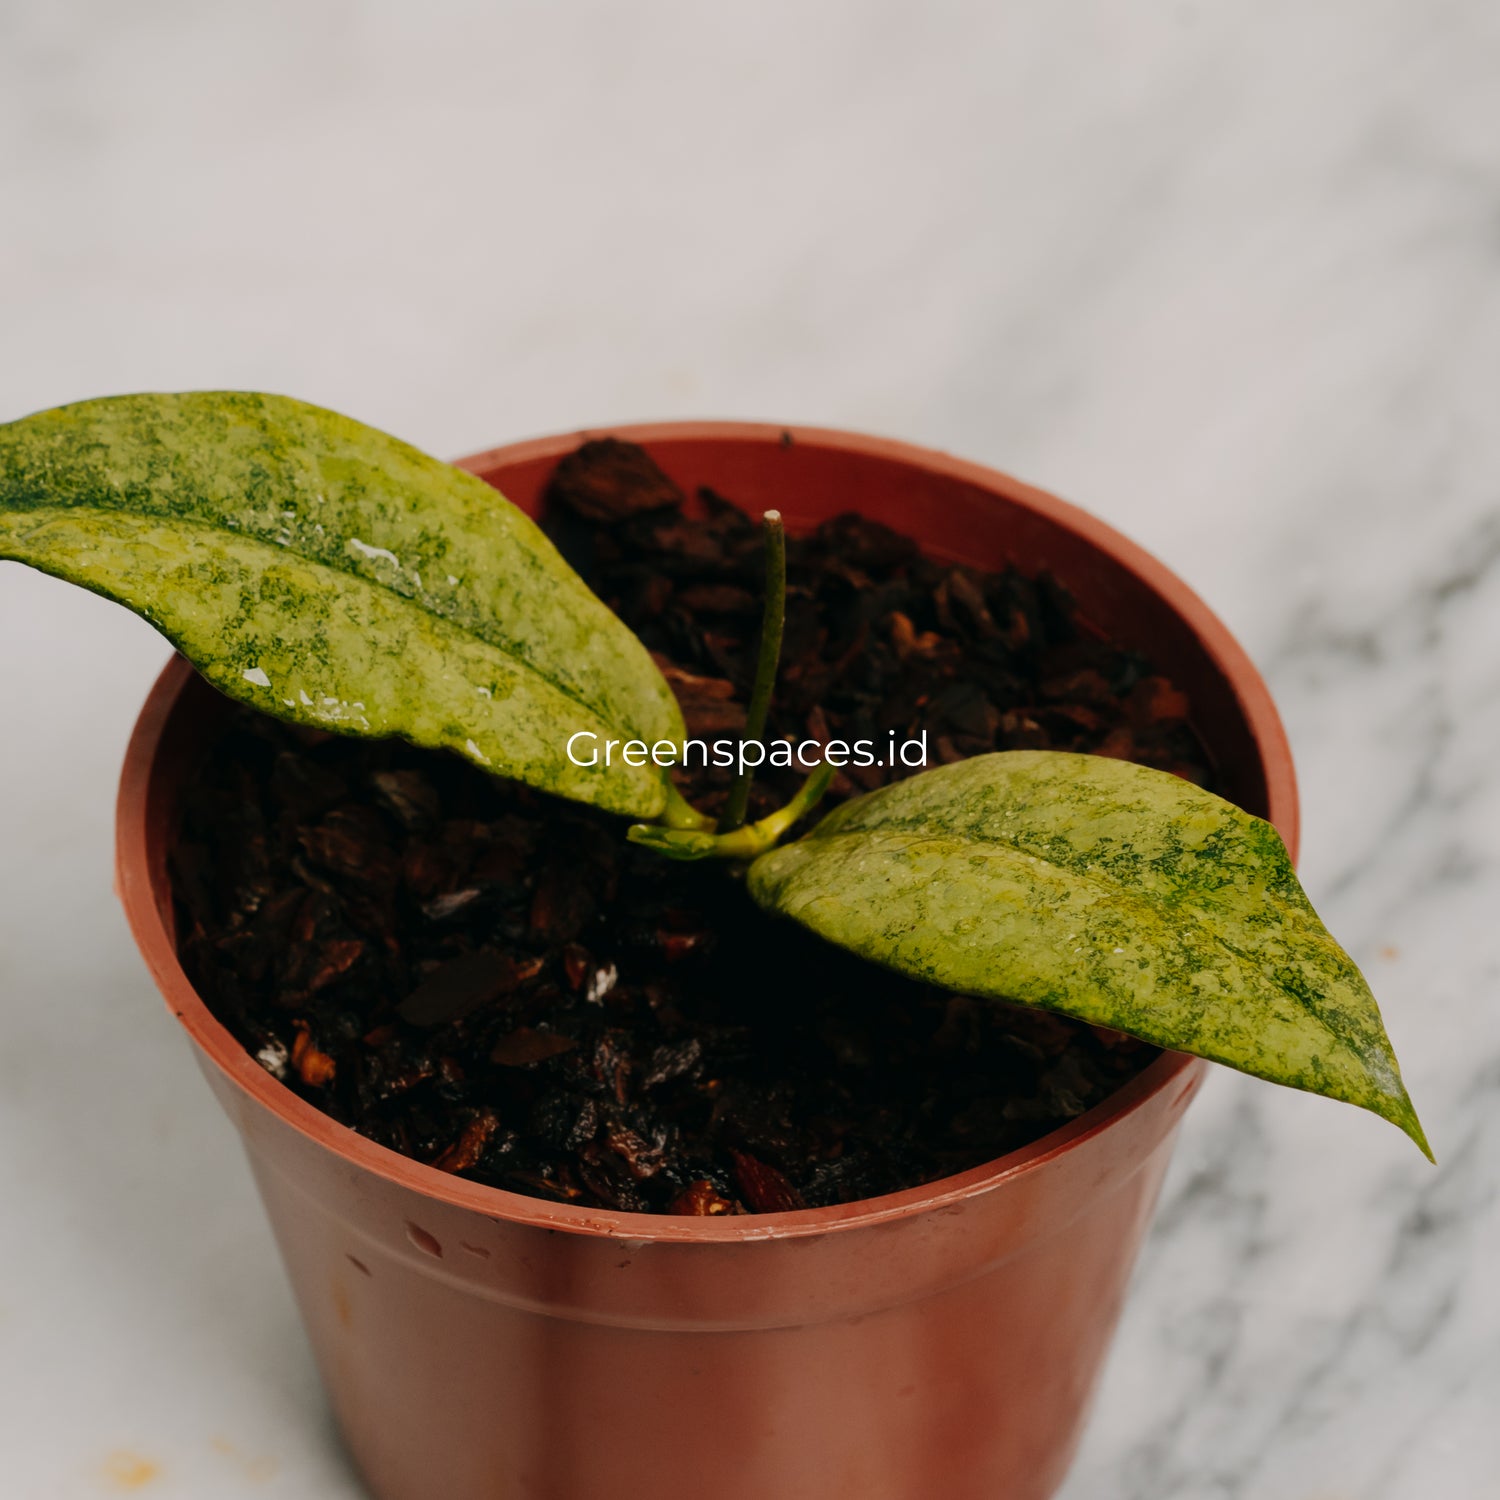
{"points": [[135, 888]]}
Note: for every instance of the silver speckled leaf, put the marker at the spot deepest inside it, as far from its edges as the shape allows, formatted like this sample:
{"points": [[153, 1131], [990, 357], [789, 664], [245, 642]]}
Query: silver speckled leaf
{"points": [[1102, 890], [329, 574]]}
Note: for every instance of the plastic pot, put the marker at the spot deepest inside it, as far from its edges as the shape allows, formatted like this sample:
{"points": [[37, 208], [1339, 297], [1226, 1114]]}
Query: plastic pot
{"points": [[480, 1345]]}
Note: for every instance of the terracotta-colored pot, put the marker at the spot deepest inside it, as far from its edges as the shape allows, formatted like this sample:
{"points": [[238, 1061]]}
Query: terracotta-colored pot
{"points": [[480, 1345]]}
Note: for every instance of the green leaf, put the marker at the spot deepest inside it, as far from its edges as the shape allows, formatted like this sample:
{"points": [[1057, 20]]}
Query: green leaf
{"points": [[329, 574], [1102, 890]]}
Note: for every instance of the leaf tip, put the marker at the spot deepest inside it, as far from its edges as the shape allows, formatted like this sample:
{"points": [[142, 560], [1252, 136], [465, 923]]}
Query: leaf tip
{"points": [[1412, 1126]]}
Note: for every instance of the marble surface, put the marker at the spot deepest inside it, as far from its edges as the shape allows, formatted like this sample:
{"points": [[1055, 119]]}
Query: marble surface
{"points": [[1227, 275]]}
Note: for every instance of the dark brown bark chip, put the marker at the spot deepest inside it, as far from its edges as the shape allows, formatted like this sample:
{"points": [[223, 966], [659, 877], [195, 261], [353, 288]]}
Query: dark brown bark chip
{"points": [[303, 786], [607, 480], [701, 1199], [493, 982], [410, 796], [333, 960], [563, 903], [459, 988], [452, 904], [467, 1151], [524, 1046], [642, 1158], [672, 1062], [314, 1067], [764, 1189]]}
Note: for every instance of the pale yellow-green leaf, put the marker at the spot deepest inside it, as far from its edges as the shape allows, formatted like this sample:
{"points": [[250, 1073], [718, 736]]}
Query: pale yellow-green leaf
{"points": [[327, 573], [1103, 890]]}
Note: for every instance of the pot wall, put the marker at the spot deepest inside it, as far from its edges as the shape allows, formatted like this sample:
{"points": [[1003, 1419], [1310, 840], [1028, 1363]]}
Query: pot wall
{"points": [[949, 1351], [478, 1345]]}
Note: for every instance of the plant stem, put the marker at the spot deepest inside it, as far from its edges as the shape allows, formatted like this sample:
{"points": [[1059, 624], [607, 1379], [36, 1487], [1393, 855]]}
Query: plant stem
{"points": [[680, 813], [770, 828], [772, 620], [744, 842]]}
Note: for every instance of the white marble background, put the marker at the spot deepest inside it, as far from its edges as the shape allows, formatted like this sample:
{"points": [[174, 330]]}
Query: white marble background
{"points": [[1228, 274]]}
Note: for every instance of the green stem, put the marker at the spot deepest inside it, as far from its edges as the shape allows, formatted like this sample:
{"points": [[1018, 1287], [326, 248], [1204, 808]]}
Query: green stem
{"points": [[680, 813], [768, 830], [773, 618], [739, 843]]}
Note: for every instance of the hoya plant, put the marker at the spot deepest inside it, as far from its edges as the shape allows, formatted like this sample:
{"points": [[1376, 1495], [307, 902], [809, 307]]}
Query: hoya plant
{"points": [[330, 575]]}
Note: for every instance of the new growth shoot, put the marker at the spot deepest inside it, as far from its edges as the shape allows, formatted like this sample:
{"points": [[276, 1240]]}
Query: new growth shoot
{"points": [[739, 841]]}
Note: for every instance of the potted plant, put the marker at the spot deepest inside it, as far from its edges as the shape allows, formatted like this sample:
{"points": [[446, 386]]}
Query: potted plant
{"points": [[476, 1341]]}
